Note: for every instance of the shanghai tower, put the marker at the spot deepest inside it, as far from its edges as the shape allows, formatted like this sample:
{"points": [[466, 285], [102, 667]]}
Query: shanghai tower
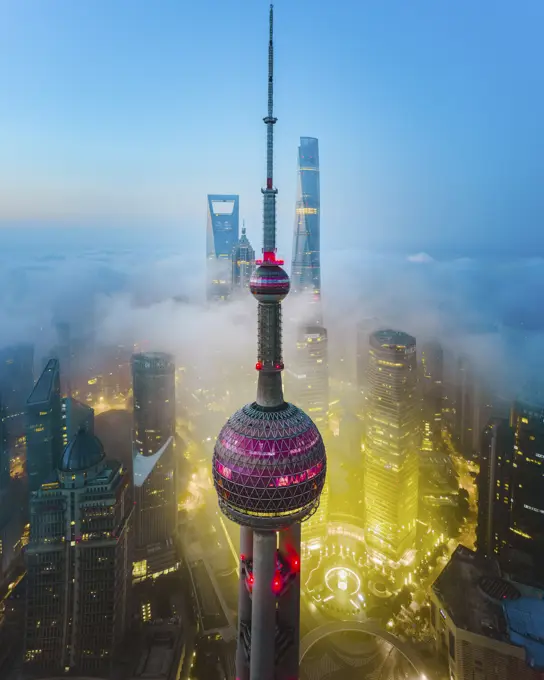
{"points": [[269, 467], [306, 267]]}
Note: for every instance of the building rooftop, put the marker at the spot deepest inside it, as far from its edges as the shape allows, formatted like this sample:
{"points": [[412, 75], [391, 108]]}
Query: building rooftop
{"points": [[82, 452], [525, 621], [150, 356], [392, 339], [480, 599], [46, 382], [458, 587]]}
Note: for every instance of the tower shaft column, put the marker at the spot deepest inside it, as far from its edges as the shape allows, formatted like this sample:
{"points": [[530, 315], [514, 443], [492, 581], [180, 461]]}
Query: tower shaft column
{"points": [[244, 605], [269, 386], [289, 603], [263, 622]]}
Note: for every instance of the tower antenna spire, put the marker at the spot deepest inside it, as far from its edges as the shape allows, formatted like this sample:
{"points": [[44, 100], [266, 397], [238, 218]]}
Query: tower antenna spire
{"points": [[269, 194]]}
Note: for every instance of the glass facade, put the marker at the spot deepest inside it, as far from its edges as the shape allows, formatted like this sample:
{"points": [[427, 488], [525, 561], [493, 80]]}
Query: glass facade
{"points": [[75, 415], [511, 492], [4, 449], [309, 379], [306, 267], [154, 391], [16, 383], [44, 426], [221, 237], [391, 454], [432, 369], [78, 568], [243, 262], [494, 487]]}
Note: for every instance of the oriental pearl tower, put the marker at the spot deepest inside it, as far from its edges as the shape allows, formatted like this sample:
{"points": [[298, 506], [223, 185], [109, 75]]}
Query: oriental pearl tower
{"points": [[269, 467]]}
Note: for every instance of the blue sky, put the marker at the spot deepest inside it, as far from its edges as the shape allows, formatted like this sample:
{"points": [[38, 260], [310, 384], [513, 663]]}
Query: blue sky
{"points": [[126, 113]]}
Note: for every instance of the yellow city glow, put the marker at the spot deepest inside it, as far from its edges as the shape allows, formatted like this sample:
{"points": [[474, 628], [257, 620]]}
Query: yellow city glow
{"points": [[139, 569]]}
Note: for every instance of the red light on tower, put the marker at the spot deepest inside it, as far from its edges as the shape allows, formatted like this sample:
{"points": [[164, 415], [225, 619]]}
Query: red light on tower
{"points": [[259, 365], [276, 583], [242, 557], [295, 563], [251, 579]]}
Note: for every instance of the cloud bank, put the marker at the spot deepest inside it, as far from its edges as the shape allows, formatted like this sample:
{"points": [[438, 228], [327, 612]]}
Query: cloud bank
{"points": [[488, 309]]}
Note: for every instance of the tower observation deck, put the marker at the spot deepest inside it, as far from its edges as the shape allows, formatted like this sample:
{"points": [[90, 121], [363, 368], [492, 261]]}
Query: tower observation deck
{"points": [[269, 467]]}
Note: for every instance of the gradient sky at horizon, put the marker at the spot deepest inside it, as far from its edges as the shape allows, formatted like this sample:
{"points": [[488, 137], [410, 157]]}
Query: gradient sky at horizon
{"points": [[128, 113]]}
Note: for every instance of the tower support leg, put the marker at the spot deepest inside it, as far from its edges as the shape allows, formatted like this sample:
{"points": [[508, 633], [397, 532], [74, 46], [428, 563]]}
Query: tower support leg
{"points": [[263, 620], [244, 604], [289, 603]]}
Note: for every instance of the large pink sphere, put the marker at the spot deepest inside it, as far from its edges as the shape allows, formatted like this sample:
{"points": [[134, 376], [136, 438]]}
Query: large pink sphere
{"points": [[269, 466]]}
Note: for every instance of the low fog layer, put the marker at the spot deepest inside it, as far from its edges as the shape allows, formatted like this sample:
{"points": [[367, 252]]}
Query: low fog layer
{"points": [[488, 309]]}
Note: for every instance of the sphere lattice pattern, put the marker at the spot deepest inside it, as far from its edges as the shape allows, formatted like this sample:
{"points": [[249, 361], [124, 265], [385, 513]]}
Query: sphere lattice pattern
{"points": [[269, 466], [269, 283]]}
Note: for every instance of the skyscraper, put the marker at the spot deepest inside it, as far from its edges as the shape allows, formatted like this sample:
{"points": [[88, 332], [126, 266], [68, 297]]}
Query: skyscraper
{"points": [[243, 262], [309, 378], [309, 375], [432, 364], [63, 352], [269, 467], [494, 487], [391, 453], [16, 378], [16, 383], [486, 625], [527, 488], [75, 416], [44, 426], [306, 266], [511, 492], [221, 237], [154, 390], [78, 563], [364, 328], [4, 449], [464, 406]]}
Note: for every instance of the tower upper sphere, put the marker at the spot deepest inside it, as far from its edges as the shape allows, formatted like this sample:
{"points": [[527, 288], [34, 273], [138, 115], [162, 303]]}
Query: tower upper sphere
{"points": [[269, 283]]}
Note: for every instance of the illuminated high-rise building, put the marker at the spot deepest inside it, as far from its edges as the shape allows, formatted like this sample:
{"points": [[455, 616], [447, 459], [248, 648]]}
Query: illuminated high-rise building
{"points": [[154, 391], [243, 262], [75, 416], [79, 564], [221, 237], [364, 328], [309, 378], [16, 379], [432, 375], [269, 467], [511, 491], [486, 624], [63, 352], [306, 264], [495, 481], [390, 464], [464, 406], [16, 383], [4, 449], [44, 426]]}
